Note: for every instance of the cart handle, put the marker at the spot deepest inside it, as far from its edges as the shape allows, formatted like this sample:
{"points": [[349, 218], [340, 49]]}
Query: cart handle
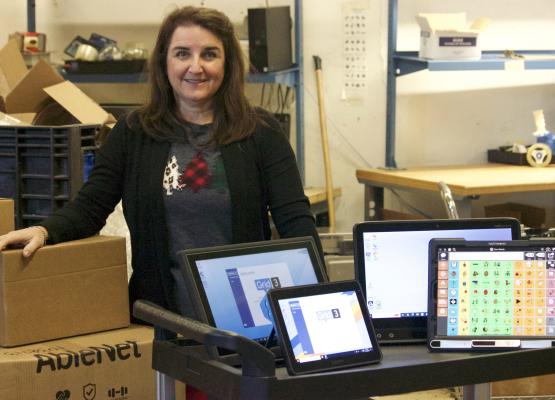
{"points": [[256, 360]]}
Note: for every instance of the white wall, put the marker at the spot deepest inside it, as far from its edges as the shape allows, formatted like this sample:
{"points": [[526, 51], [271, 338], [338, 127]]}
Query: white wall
{"points": [[453, 117], [442, 118]]}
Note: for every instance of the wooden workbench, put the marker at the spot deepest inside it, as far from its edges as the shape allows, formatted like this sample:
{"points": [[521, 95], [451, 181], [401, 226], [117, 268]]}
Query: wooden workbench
{"points": [[466, 182], [319, 195]]}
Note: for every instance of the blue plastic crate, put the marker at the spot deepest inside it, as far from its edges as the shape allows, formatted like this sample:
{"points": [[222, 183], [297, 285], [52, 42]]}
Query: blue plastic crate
{"points": [[42, 168]]}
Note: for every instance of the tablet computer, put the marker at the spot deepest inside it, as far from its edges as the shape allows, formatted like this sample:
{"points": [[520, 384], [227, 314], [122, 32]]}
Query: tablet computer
{"points": [[228, 284], [491, 295], [323, 327], [391, 264]]}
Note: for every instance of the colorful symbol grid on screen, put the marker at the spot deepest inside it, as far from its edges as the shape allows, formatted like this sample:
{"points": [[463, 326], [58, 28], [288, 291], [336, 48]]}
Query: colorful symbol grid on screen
{"points": [[508, 297]]}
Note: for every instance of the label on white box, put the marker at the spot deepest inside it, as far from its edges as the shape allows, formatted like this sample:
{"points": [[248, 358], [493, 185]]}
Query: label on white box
{"points": [[457, 41]]}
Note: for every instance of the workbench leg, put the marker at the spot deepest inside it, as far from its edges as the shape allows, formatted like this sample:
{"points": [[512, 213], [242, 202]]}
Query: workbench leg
{"points": [[480, 391], [373, 202], [165, 387], [464, 207]]}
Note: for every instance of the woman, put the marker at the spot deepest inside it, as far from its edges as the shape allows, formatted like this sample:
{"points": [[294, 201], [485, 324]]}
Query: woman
{"points": [[196, 166]]}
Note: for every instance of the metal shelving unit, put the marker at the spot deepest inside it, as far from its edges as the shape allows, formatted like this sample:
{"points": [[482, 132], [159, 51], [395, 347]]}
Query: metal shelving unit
{"points": [[292, 77], [403, 63]]}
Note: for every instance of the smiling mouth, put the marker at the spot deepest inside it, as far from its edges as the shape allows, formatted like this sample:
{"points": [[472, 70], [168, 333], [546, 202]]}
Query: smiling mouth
{"points": [[195, 81]]}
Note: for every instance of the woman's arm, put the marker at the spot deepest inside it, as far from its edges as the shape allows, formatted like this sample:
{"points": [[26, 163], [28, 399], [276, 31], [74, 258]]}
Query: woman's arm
{"points": [[289, 206]]}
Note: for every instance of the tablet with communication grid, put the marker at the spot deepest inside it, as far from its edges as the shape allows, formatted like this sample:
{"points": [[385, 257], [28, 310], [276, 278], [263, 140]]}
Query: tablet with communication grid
{"points": [[491, 295]]}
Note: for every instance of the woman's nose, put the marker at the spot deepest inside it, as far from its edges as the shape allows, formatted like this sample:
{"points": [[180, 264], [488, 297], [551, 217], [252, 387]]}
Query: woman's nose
{"points": [[196, 65]]}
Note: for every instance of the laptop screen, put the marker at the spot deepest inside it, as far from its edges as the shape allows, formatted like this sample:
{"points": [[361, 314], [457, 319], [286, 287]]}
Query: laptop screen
{"points": [[483, 290], [231, 282], [391, 262]]}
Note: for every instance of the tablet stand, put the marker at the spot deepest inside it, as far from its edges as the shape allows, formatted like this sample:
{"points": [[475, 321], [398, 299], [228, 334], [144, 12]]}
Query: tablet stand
{"points": [[403, 369]]}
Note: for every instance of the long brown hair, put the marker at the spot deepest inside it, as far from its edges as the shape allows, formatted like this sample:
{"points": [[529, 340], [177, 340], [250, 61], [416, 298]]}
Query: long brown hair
{"points": [[234, 117]]}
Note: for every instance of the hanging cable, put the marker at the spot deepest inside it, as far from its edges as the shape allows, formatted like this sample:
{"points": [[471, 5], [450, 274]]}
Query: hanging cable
{"points": [[337, 131]]}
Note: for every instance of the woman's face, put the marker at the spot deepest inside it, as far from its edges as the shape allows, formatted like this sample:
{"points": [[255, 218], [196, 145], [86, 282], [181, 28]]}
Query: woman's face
{"points": [[195, 66]]}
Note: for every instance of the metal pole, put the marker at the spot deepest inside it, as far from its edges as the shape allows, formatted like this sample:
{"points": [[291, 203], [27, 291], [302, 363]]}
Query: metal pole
{"points": [[480, 391], [391, 86], [299, 86], [165, 387], [31, 26]]}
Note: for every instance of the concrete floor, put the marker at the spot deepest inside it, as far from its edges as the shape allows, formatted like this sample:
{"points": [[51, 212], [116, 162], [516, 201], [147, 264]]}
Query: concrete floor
{"points": [[440, 394], [453, 394]]}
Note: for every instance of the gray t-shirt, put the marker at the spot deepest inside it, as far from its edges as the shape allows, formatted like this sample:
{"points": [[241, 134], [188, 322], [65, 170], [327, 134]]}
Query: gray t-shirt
{"points": [[196, 200]]}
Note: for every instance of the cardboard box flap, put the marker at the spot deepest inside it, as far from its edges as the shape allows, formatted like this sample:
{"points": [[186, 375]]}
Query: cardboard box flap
{"points": [[81, 106], [110, 121], [28, 95], [25, 118], [70, 257], [442, 22], [12, 67], [10, 120]]}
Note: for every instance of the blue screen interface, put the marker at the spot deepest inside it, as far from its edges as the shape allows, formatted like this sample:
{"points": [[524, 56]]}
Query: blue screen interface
{"points": [[236, 287]]}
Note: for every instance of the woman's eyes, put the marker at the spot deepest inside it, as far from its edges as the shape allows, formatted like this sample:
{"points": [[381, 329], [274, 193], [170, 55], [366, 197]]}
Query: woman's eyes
{"points": [[209, 55], [182, 53], [206, 55]]}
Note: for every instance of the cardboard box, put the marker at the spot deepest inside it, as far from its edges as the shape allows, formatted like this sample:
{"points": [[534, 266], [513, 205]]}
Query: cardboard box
{"points": [[6, 216], [68, 289], [114, 365], [41, 94], [448, 36], [533, 386]]}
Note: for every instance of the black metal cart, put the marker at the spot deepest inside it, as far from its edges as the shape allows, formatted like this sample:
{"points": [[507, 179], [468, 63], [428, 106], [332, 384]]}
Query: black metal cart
{"points": [[403, 368]]}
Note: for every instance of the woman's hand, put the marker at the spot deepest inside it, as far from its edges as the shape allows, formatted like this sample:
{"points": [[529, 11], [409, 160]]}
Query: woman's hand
{"points": [[32, 238]]}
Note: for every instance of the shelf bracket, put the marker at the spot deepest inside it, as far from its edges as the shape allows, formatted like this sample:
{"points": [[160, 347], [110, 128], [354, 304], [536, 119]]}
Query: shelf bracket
{"points": [[405, 67]]}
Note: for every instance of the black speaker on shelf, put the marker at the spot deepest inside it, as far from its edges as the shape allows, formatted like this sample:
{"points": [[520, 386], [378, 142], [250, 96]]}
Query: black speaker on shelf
{"points": [[270, 38]]}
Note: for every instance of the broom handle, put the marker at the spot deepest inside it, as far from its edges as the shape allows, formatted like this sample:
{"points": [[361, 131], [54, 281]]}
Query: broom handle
{"points": [[325, 147]]}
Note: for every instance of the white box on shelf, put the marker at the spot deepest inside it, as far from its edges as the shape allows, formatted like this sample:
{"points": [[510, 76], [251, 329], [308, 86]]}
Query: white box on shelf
{"points": [[448, 36]]}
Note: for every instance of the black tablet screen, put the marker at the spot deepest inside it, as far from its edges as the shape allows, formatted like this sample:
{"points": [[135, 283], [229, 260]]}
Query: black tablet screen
{"points": [[324, 327]]}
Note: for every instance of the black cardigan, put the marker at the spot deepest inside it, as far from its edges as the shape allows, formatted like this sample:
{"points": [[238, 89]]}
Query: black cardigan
{"points": [[262, 174]]}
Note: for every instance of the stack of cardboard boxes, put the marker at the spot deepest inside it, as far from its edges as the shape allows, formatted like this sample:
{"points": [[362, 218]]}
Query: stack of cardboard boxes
{"points": [[64, 312], [46, 301], [49, 131], [41, 96]]}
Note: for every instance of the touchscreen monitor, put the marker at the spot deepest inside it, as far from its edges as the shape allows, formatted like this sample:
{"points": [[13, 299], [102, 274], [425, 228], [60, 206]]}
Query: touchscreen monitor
{"points": [[391, 264], [228, 284]]}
